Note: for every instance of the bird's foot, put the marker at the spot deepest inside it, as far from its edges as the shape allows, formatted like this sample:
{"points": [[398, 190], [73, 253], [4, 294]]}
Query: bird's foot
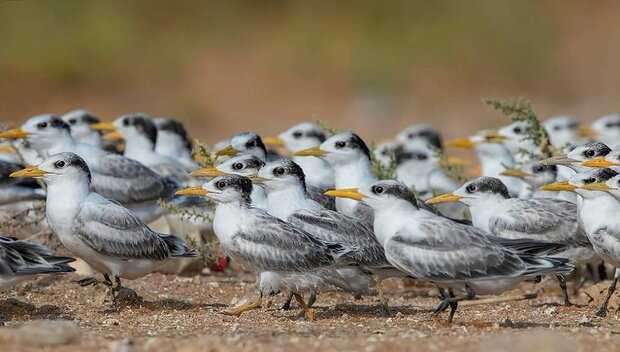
{"points": [[87, 281], [237, 311]]}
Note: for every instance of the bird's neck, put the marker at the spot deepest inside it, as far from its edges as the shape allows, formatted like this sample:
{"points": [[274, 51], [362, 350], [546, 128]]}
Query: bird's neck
{"points": [[357, 173], [172, 146], [282, 203], [226, 222], [598, 212], [138, 148], [483, 209], [92, 138], [494, 164], [389, 219], [64, 200], [47, 146]]}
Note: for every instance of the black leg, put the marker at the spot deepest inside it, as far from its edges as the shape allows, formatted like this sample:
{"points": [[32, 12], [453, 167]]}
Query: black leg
{"points": [[311, 300], [453, 306], [562, 281], [87, 281], [602, 311], [287, 304]]}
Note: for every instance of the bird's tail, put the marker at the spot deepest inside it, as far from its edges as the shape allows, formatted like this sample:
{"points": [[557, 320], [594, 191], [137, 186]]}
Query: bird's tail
{"points": [[532, 247], [27, 258], [543, 265], [178, 247]]}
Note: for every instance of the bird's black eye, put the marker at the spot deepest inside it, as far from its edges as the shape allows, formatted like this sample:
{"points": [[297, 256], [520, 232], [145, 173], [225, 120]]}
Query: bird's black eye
{"points": [[251, 144], [588, 153], [297, 134], [411, 135], [518, 130], [377, 189], [125, 122], [59, 164], [385, 153], [278, 171], [237, 166], [537, 168], [421, 156], [589, 180], [557, 128], [41, 125], [72, 121], [220, 184], [471, 188], [340, 144]]}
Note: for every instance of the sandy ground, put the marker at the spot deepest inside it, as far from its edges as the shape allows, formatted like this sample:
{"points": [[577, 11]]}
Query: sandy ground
{"points": [[184, 314]]}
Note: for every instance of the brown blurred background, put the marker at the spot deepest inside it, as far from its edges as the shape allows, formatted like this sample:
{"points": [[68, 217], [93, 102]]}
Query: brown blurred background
{"points": [[372, 66]]}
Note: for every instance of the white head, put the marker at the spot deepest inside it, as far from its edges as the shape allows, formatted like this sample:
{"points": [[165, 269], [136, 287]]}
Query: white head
{"points": [[301, 136], [534, 174], [385, 195], [420, 134], [81, 122], [223, 189], [242, 165], [172, 138], [475, 192], [66, 168], [244, 143], [591, 183], [282, 174], [562, 130], [42, 132], [516, 137], [606, 129], [137, 129], [340, 149], [589, 155]]}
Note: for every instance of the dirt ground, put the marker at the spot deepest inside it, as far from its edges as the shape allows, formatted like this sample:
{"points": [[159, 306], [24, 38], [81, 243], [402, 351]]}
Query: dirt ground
{"points": [[183, 314]]}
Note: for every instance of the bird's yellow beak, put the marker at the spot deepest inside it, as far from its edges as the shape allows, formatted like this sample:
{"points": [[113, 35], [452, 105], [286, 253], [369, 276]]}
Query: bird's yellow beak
{"points": [[32, 171], [351, 193], [599, 163], [515, 173], [192, 191], [112, 136], [444, 198], [596, 186], [587, 132], [103, 126], [559, 160], [207, 172], [16, 133], [461, 143], [274, 141], [314, 151], [7, 149], [454, 161], [559, 187], [228, 151], [494, 137], [258, 180]]}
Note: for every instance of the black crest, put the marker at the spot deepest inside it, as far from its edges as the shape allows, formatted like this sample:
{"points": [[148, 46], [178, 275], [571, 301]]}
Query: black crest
{"points": [[239, 183], [173, 126], [292, 168], [317, 134], [401, 155], [604, 175], [395, 189], [57, 122], [488, 185], [356, 142], [144, 125], [432, 137], [600, 149]]}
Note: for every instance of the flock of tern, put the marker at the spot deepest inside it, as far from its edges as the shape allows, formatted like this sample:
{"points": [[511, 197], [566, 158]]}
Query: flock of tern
{"points": [[306, 210]]}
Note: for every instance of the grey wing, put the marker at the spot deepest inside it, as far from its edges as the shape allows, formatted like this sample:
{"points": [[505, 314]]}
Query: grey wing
{"points": [[446, 252], [112, 230], [606, 242], [274, 245], [28, 258], [126, 180], [316, 194], [543, 219], [363, 212], [339, 228]]}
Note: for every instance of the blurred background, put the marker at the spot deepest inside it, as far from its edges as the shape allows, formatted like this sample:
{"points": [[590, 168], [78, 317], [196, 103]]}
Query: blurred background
{"points": [[372, 66]]}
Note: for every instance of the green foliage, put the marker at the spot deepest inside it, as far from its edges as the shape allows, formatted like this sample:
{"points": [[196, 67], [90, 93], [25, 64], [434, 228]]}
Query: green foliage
{"points": [[520, 109], [201, 155], [325, 127], [382, 172]]}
